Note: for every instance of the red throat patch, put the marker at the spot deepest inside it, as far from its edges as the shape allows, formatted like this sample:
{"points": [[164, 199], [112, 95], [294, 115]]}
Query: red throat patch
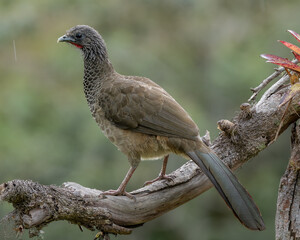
{"points": [[77, 45]]}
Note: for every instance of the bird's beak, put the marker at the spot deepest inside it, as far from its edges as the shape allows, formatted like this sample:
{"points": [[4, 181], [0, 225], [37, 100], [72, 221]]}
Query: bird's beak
{"points": [[66, 38]]}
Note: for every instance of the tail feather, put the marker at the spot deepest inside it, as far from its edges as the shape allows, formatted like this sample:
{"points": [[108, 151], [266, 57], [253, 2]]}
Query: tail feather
{"points": [[233, 193]]}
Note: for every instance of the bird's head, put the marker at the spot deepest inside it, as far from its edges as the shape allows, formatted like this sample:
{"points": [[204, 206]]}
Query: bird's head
{"points": [[88, 40]]}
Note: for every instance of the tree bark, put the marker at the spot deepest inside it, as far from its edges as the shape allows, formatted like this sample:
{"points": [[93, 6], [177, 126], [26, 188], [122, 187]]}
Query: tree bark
{"points": [[288, 202], [251, 130]]}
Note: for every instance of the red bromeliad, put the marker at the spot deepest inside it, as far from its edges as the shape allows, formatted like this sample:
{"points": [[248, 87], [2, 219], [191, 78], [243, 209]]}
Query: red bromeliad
{"points": [[284, 62], [294, 75]]}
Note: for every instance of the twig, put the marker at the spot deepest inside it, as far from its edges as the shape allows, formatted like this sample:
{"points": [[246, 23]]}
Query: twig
{"points": [[266, 81]]}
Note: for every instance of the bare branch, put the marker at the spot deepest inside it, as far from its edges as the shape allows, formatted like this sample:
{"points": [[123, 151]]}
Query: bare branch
{"points": [[266, 81]]}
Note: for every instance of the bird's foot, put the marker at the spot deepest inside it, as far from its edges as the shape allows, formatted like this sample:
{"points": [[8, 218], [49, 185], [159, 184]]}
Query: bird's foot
{"points": [[118, 192], [160, 177]]}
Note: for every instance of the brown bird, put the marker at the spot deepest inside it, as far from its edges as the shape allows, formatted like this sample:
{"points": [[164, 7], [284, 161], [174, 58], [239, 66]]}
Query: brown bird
{"points": [[145, 122]]}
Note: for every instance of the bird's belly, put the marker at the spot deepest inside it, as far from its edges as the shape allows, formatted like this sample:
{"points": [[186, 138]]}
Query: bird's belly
{"points": [[135, 145], [154, 156]]}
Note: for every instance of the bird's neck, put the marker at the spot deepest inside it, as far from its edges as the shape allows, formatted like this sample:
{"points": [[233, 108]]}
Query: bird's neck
{"points": [[95, 72]]}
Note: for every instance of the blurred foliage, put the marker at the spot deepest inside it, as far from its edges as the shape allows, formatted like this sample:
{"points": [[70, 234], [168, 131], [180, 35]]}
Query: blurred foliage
{"points": [[204, 53]]}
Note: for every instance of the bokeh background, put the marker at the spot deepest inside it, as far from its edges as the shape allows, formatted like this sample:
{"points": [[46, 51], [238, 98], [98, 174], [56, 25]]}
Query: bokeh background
{"points": [[204, 53]]}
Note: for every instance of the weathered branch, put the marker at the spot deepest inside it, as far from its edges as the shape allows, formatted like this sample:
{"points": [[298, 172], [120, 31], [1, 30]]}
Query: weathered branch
{"points": [[250, 131], [288, 202]]}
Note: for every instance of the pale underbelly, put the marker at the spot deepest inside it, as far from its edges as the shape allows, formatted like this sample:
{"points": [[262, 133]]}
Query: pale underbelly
{"points": [[153, 158]]}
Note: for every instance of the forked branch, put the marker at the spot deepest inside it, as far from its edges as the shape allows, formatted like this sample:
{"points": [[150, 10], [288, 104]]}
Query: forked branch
{"points": [[250, 131]]}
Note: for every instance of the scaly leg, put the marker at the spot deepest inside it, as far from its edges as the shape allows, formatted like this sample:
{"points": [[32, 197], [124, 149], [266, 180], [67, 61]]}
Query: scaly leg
{"points": [[162, 174], [121, 189]]}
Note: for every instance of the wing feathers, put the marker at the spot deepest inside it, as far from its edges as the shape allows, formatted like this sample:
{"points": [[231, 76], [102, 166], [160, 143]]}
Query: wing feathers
{"points": [[147, 108]]}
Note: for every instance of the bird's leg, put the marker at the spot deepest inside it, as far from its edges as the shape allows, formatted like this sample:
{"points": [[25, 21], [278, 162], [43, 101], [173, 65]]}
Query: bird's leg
{"points": [[162, 174], [121, 189]]}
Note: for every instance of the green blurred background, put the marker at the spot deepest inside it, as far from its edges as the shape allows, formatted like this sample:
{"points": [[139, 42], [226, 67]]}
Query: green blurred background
{"points": [[204, 53]]}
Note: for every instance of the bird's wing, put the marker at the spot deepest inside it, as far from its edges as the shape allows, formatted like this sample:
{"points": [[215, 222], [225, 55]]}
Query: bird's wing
{"points": [[146, 108]]}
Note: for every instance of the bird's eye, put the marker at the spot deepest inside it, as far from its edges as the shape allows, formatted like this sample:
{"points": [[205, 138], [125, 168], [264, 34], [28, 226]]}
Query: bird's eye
{"points": [[78, 35]]}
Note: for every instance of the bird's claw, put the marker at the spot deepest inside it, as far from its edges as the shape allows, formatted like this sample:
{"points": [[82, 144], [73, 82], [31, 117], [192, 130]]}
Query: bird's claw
{"points": [[160, 177], [117, 193]]}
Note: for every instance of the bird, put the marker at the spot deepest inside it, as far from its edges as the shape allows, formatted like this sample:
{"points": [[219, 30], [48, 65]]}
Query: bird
{"points": [[145, 122]]}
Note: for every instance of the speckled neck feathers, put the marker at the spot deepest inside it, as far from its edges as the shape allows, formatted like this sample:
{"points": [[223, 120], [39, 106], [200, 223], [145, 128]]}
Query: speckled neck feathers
{"points": [[97, 68]]}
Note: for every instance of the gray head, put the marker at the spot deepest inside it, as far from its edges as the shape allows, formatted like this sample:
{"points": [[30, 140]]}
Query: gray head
{"points": [[88, 40]]}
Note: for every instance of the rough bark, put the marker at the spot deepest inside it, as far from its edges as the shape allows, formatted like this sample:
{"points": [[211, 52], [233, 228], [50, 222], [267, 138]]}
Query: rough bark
{"points": [[288, 202], [251, 130]]}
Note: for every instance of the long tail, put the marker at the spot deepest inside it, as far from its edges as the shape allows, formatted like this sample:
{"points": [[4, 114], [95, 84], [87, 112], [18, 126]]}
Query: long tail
{"points": [[233, 193]]}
